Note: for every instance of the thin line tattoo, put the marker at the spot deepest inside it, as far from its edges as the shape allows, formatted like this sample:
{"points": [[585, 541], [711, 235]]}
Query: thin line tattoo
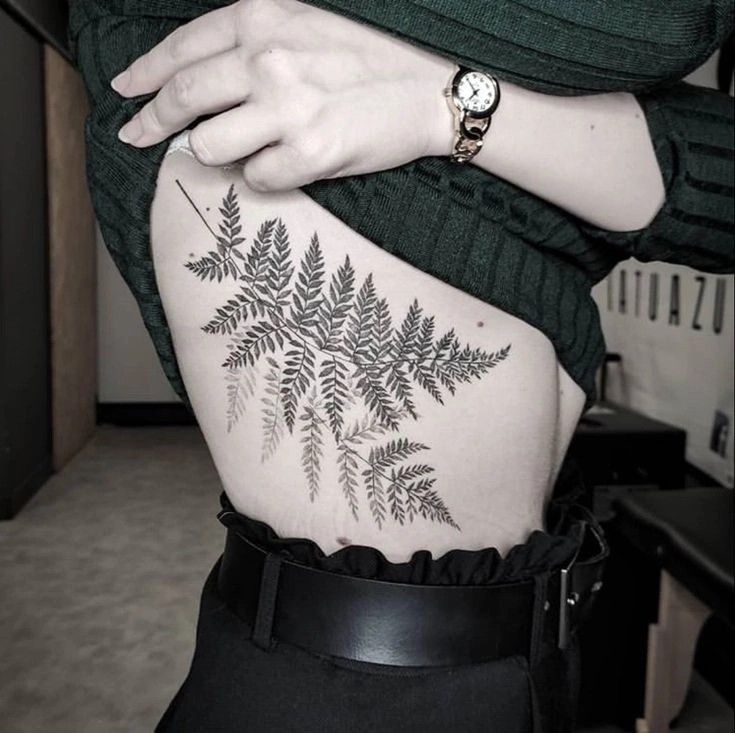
{"points": [[333, 364]]}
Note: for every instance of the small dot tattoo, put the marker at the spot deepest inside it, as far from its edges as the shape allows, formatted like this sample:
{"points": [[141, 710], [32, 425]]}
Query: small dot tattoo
{"points": [[480, 324]]}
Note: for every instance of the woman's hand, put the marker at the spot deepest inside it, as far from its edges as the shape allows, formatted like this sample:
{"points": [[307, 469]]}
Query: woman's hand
{"points": [[301, 93]]}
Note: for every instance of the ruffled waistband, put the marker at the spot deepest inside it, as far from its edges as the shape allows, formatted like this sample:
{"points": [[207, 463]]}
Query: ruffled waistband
{"points": [[542, 551]]}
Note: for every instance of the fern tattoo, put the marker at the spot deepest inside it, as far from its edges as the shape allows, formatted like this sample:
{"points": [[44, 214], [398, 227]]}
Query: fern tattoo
{"points": [[334, 364]]}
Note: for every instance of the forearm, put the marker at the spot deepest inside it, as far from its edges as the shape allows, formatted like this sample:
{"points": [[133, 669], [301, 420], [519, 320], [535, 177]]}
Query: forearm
{"points": [[591, 155], [693, 130]]}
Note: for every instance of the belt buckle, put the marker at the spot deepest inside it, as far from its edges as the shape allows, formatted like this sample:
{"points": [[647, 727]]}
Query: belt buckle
{"points": [[568, 600]]}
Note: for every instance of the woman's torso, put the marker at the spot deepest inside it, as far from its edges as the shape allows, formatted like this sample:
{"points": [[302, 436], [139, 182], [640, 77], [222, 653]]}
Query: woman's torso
{"points": [[345, 395]]}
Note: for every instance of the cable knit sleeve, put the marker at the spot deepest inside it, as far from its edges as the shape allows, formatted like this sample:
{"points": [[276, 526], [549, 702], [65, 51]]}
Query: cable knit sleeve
{"points": [[568, 47], [104, 39], [693, 135]]}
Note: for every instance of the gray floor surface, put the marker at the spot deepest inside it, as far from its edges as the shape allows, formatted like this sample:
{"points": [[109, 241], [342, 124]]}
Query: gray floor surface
{"points": [[100, 576]]}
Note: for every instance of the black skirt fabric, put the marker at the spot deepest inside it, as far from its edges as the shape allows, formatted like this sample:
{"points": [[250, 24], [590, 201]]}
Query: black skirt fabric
{"points": [[236, 686]]}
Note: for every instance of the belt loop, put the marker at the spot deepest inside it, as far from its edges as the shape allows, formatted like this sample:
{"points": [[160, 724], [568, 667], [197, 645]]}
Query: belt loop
{"points": [[538, 624], [263, 625]]}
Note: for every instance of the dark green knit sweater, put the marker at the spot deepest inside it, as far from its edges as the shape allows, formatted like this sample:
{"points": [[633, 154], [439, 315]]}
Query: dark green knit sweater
{"points": [[461, 224]]}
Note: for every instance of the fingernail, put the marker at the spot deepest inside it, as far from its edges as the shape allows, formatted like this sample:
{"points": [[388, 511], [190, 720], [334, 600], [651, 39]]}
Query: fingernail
{"points": [[132, 131], [121, 81]]}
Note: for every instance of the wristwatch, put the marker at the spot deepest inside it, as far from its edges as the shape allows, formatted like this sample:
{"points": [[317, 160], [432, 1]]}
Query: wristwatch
{"points": [[473, 97]]}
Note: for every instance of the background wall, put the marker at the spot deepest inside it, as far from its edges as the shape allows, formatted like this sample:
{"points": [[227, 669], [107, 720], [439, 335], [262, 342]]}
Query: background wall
{"points": [[673, 327], [128, 368]]}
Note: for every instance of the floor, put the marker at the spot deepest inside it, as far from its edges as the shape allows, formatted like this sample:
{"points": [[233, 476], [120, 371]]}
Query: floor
{"points": [[101, 573]]}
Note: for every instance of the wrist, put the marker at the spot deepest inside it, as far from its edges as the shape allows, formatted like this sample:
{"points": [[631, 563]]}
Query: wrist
{"points": [[438, 120]]}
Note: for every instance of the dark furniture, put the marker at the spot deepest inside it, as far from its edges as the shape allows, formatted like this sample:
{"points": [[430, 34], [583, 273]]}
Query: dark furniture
{"points": [[25, 436], [688, 536], [619, 450], [44, 19], [33, 430]]}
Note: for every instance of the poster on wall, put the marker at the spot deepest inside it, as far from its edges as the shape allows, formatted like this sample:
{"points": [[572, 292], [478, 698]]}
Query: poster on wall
{"points": [[673, 327]]}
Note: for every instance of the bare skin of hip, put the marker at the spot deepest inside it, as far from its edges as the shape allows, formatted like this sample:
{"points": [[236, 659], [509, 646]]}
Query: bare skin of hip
{"points": [[346, 396]]}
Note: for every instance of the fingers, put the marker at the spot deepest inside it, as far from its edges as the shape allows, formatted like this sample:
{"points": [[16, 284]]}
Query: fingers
{"points": [[284, 167], [209, 86], [210, 34], [235, 134]]}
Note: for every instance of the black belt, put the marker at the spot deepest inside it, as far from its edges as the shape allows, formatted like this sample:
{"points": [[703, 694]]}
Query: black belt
{"points": [[404, 624]]}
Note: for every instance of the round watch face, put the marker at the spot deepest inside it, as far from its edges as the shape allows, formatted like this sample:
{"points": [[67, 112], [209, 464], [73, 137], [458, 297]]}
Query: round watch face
{"points": [[477, 93]]}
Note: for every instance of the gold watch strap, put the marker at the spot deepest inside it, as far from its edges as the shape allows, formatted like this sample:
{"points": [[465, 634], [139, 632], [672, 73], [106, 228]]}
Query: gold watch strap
{"points": [[469, 139]]}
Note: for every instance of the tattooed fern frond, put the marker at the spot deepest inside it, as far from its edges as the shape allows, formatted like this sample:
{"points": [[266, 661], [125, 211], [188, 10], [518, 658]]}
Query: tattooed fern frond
{"points": [[368, 428], [464, 365], [229, 316], [395, 502], [407, 335], [430, 505], [219, 264], [399, 385], [477, 362], [423, 348], [348, 481], [298, 374], [374, 490], [405, 484], [427, 381], [334, 309], [407, 474], [380, 346], [396, 451], [257, 262], [354, 330], [424, 343], [369, 382], [312, 443], [230, 227], [272, 410], [262, 338], [356, 345], [280, 270], [283, 315], [240, 386], [335, 391], [213, 266], [412, 495], [444, 363], [308, 289]]}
